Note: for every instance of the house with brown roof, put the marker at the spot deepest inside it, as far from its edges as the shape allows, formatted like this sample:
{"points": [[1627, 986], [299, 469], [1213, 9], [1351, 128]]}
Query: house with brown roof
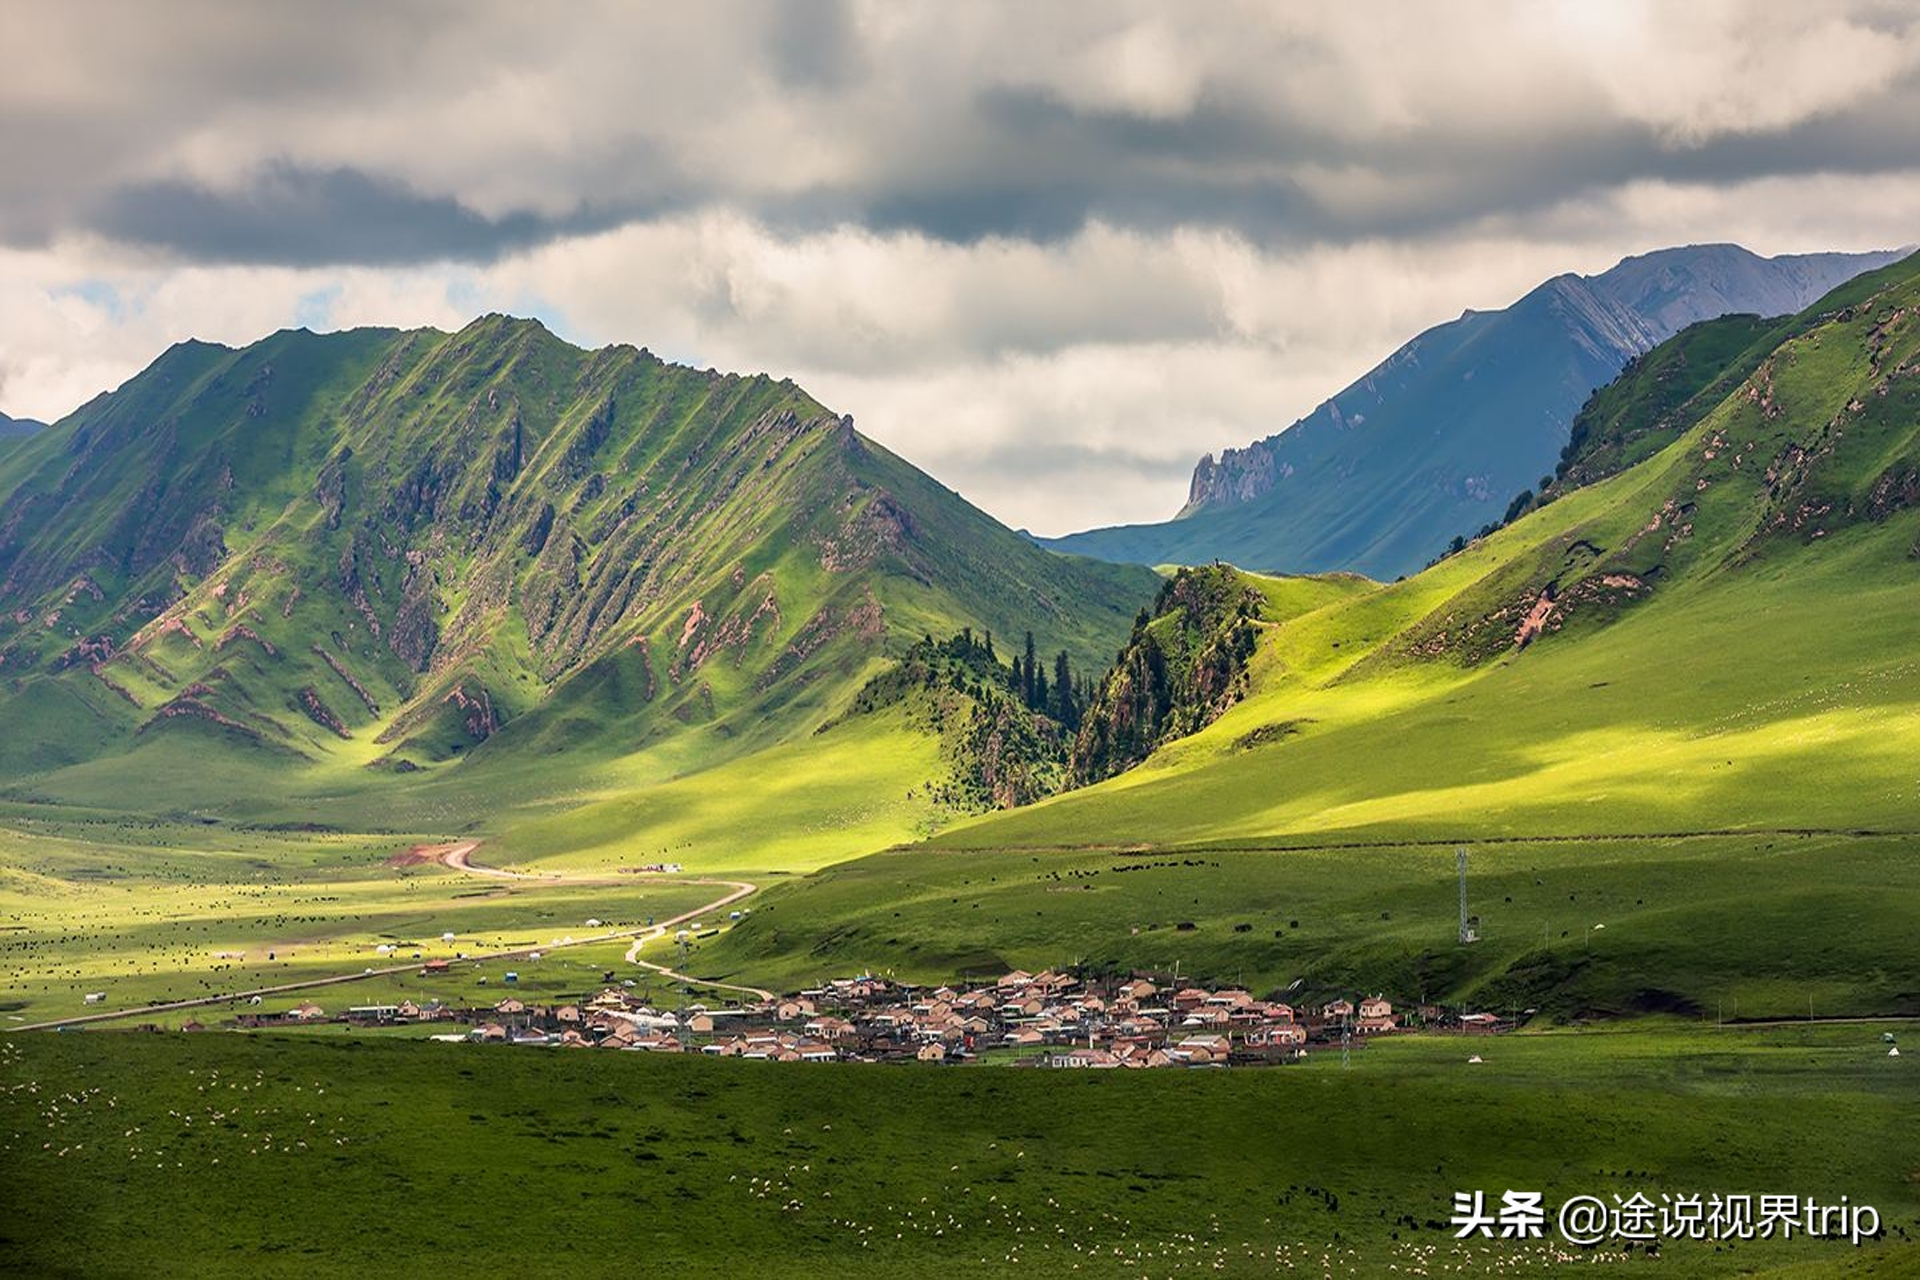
{"points": [[1085, 1056], [1202, 1050], [828, 1027], [1376, 1014]]}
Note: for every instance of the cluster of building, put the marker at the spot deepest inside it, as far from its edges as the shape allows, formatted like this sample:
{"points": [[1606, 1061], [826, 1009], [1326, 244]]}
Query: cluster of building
{"points": [[1046, 1019]]}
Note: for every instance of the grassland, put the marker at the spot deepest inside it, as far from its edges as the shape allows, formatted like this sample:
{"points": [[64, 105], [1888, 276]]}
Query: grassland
{"points": [[143, 925], [1701, 927], [129, 1154]]}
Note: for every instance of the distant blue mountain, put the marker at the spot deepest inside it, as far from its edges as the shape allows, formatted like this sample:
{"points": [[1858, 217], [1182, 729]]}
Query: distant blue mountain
{"points": [[12, 427], [1438, 438]]}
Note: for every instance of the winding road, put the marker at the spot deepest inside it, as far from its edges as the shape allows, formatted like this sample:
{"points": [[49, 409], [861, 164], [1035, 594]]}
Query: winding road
{"points": [[458, 857]]}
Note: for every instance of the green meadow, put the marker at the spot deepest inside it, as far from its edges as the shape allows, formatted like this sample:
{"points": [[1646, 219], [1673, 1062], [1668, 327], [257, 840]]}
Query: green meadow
{"points": [[141, 925], [1705, 927], [143, 1154]]}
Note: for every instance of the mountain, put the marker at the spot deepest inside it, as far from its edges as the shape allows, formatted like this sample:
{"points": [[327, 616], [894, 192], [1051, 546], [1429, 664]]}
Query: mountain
{"points": [[1721, 630], [1435, 440], [16, 428], [1676, 702], [394, 555]]}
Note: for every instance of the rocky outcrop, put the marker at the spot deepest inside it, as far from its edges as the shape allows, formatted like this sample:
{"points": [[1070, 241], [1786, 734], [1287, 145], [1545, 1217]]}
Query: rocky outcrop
{"points": [[340, 670], [319, 712]]}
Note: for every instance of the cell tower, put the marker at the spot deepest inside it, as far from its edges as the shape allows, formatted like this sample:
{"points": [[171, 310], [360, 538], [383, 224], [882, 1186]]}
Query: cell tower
{"points": [[1466, 930]]}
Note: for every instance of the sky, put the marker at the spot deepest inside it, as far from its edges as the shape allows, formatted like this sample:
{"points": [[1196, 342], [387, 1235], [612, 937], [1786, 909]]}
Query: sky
{"points": [[1050, 253]]}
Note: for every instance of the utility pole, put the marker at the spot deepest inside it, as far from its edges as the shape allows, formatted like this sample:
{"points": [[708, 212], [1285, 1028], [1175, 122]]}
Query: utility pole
{"points": [[1460, 865], [686, 992]]}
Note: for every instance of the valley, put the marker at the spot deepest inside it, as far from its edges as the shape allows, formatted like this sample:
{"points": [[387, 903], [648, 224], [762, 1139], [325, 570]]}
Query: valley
{"points": [[1669, 711]]}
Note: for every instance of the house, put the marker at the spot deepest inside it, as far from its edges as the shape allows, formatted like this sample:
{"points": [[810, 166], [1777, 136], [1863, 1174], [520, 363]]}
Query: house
{"points": [[1229, 999], [701, 1024], [1275, 1034], [489, 1031], [792, 1009], [567, 1013], [828, 1027], [510, 1005], [1376, 1014], [1088, 1057], [932, 1052], [1338, 1011], [1203, 1050], [306, 1011]]}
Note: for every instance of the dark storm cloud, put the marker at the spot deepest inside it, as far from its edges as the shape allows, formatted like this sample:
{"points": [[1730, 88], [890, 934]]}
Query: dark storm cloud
{"points": [[813, 44], [290, 215], [275, 133]]}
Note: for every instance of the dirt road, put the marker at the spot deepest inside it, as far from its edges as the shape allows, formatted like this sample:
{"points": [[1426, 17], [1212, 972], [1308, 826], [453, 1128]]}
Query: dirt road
{"points": [[458, 857], [742, 889]]}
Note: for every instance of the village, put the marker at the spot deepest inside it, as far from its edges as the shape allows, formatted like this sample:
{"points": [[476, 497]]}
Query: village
{"points": [[1046, 1019]]}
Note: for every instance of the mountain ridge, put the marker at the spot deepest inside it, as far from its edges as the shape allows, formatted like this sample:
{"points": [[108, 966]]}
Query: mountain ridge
{"points": [[1437, 437], [399, 548]]}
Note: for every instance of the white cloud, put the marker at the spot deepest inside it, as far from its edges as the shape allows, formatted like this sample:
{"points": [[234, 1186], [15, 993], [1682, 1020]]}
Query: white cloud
{"points": [[1051, 254]]}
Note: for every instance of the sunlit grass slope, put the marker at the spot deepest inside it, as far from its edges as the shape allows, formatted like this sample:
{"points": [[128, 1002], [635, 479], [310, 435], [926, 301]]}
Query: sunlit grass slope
{"points": [[1674, 716], [1726, 637]]}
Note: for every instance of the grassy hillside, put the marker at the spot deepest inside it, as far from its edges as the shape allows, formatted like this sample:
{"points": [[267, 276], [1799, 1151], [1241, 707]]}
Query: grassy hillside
{"points": [[441, 575], [1716, 642]]}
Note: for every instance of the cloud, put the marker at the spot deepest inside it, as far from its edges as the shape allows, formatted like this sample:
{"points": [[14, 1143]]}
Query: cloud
{"points": [[1052, 253], [297, 216], [425, 132]]}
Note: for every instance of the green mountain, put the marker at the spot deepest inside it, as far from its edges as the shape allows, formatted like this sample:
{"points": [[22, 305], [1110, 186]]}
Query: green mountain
{"points": [[1677, 702], [1435, 440], [333, 559]]}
